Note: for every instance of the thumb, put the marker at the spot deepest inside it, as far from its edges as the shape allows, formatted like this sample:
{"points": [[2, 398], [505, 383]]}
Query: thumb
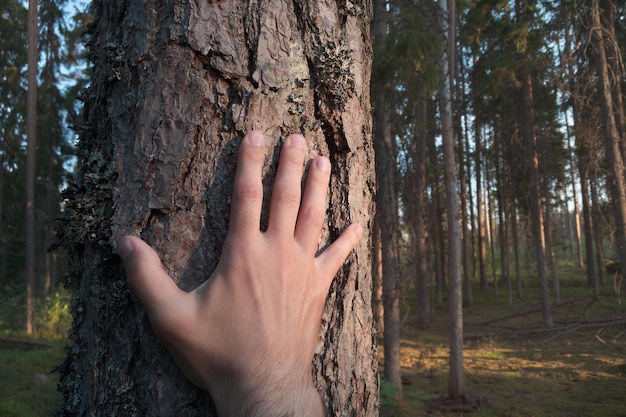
{"points": [[145, 276]]}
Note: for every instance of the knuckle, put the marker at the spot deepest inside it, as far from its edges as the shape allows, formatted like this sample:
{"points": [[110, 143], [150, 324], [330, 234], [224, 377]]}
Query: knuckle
{"points": [[315, 216], [288, 197], [248, 193]]}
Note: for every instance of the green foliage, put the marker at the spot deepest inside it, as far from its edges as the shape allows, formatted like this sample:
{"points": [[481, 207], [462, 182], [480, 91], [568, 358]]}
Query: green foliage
{"points": [[419, 398], [52, 319], [55, 318], [387, 394], [408, 57]]}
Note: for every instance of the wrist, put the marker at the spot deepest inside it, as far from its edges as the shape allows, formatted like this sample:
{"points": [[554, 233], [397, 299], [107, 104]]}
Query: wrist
{"points": [[269, 397]]}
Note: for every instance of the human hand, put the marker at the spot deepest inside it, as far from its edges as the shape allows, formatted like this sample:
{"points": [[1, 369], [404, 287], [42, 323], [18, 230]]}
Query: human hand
{"points": [[249, 333]]}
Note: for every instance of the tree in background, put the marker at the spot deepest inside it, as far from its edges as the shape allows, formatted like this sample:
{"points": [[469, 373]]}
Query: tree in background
{"points": [[387, 203], [612, 112], [31, 155], [55, 81], [12, 130], [456, 380], [174, 88]]}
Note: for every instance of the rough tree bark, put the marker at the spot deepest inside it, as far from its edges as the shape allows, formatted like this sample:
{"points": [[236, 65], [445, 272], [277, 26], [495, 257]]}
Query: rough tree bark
{"points": [[176, 84]]}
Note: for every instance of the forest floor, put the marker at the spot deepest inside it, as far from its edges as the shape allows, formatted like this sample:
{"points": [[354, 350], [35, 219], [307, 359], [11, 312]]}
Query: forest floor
{"points": [[27, 383], [514, 367]]}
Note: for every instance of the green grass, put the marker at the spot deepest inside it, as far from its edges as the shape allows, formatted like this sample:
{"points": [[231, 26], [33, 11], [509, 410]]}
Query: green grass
{"points": [[27, 386]]}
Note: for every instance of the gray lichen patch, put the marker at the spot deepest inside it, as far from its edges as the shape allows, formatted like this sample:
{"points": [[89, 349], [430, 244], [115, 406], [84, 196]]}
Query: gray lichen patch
{"points": [[332, 62]]}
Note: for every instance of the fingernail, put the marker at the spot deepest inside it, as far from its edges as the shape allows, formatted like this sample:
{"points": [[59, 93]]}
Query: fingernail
{"points": [[323, 164], [358, 230], [255, 138], [297, 141], [124, 247]]}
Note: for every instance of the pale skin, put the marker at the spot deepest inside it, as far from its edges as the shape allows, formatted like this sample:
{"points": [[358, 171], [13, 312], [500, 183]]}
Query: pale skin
{"points": [[249, 333]]}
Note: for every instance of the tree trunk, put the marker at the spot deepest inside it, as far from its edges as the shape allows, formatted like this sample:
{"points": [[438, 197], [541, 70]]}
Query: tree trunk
{"points": [[377, 279], [421, 253], [611, 134], [31, 150], [515, 237], [480, 212], [465, 232], [588, 223], [556, 286], [616, 66], [456, 378], [175, 86], [490, 229], [503, 227], [536, 216], [387, 205], [583, 165], [597, 216], [577, 226]]}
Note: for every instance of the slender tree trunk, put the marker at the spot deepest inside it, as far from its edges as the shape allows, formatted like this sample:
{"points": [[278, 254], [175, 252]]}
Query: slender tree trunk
{"points": [[175, 87], [438, 246], [616, 70], [556, 286], [377, 278], [436, 226], [582, 160], [3, 233], [471, 227], [480, 210], [504, 246], [612, 138], [536, 216], [503, 241], [387, 206], [456, 379], [515, 236], [596, 216], [490, 229], [421, 252], [577, 227], [465, 232], [31, 150], [592, 276]]}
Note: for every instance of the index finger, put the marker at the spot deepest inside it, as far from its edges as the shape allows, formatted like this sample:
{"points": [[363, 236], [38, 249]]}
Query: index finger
{"points": [[245, 210]]}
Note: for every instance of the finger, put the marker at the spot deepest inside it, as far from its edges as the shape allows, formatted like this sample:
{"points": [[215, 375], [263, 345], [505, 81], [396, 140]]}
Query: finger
{"points": [[245, 211], [313, 208], [145, 276], [329, 261], [287, 187]]}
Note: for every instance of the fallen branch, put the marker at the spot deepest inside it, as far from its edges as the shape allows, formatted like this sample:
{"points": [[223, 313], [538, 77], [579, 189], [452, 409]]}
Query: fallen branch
{"points": [[561, 330], [537, 310], [27, 342]]}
